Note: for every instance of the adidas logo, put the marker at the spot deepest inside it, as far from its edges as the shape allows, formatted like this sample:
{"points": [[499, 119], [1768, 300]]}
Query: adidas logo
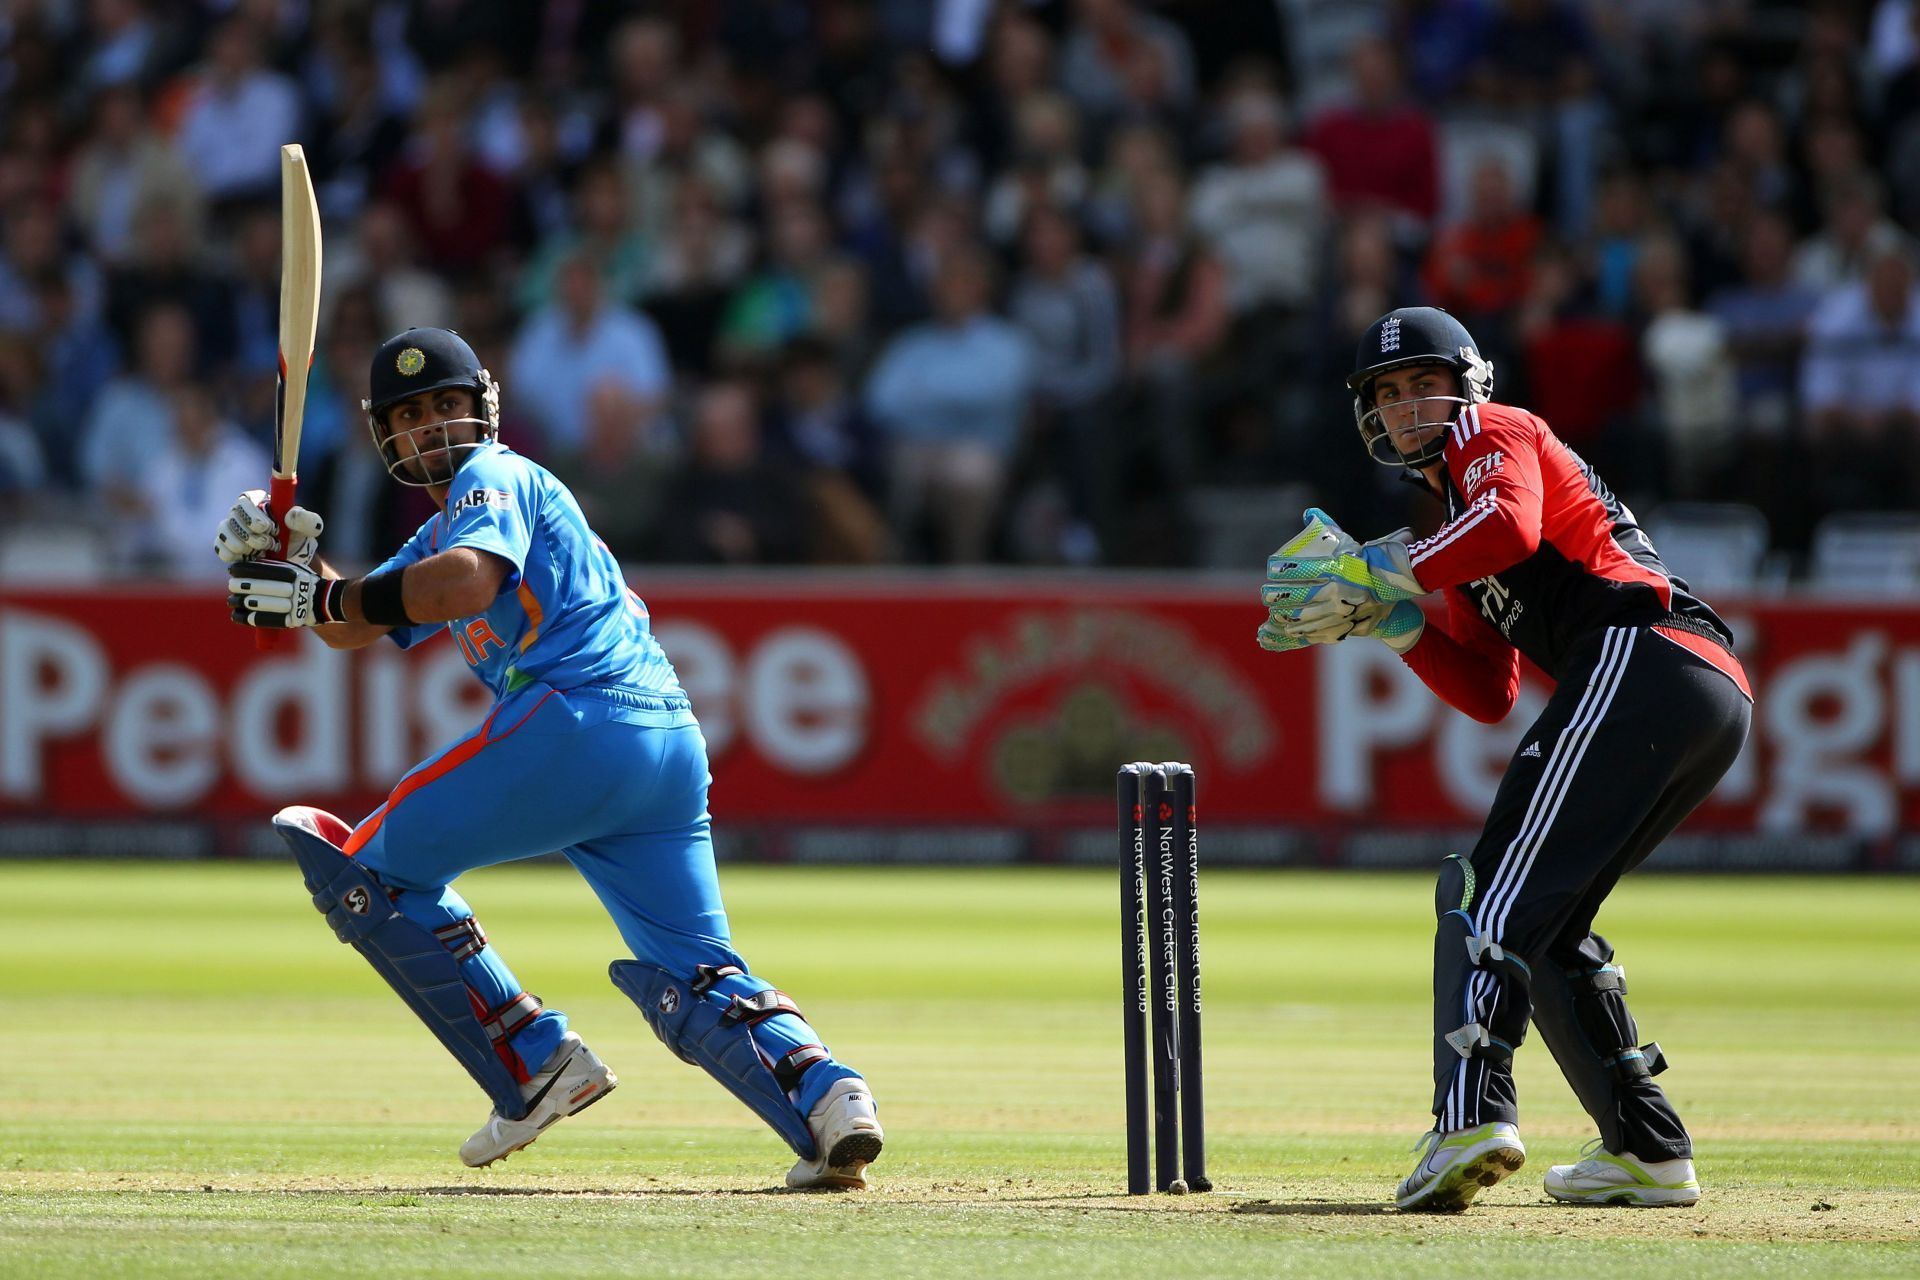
{"points": [[1532, 752]]}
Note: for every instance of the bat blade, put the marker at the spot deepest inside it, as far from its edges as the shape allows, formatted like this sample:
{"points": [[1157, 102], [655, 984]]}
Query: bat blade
{"points": [[299, 319]]}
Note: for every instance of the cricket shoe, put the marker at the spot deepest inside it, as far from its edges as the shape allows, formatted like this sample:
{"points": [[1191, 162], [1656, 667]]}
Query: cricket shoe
{"points": [[1604, 1178], [1454, 1166], [846, 1133], [571, 1081]]}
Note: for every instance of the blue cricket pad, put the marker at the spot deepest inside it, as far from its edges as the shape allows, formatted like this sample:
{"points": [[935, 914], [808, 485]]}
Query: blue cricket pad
{"points": [[715, 1033], [1458, 953], [414, 962]]}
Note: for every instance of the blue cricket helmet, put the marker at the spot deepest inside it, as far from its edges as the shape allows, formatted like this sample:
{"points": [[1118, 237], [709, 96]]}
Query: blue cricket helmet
{"points": [[419, 360], [1400, 339]]}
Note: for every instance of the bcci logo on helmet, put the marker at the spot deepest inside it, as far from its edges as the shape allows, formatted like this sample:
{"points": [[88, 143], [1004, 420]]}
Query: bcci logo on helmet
{"points": [[1390, 335], [358, 900], [670, 1000], [411, 361]]}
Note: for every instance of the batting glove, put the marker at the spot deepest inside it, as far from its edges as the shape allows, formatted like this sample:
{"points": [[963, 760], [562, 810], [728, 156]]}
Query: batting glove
{"points": [[248, 532], [276, 594]]}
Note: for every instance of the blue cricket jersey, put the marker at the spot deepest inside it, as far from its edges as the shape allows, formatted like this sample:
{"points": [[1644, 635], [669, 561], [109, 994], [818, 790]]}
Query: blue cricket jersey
{"points": [[564, 616]]}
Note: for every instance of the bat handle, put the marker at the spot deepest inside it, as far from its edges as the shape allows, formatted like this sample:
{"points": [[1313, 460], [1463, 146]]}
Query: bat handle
{"points": [[279, 502]]}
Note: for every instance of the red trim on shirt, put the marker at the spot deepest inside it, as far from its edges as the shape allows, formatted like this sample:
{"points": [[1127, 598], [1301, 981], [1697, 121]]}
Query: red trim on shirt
{"points": [[1703, 648]]}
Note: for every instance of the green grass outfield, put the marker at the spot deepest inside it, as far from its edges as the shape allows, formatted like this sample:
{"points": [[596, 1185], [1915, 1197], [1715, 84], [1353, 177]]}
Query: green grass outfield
{"points": [[196, 1080]]}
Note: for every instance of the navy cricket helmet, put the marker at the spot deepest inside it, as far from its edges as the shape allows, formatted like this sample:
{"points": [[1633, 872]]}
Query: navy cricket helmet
{"points": [[1403, 338], [427, 360]]}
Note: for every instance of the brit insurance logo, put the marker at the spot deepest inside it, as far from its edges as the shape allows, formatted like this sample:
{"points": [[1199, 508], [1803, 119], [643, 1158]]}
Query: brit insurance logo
{"points": [[1390, 335]]}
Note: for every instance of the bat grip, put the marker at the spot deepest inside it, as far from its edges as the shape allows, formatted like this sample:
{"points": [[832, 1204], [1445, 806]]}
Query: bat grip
{"points": [[279, 502]]}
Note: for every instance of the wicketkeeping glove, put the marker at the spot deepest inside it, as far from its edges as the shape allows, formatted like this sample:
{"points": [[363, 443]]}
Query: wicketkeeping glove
{"points": [[248, 532], [1334, 611], [1383, 567], [1320, 537], [278, 593]]}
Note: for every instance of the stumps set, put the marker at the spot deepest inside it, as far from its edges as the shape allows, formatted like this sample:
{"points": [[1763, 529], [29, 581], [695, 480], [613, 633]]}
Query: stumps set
{"points": [[1159, 848]]}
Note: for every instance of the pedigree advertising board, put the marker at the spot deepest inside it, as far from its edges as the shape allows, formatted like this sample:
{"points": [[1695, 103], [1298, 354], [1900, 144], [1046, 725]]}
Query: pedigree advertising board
{"points": [[962, 705]]}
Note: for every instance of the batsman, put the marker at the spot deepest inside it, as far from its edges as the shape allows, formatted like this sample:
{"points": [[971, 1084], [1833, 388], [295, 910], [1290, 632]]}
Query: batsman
{"points": [[1537, 559], [591, 749]]}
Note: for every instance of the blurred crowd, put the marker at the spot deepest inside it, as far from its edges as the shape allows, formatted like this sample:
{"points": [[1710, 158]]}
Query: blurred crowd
{"points": [[955, 281]]}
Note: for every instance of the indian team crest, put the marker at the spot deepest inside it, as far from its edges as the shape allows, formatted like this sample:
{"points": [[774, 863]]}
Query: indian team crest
{"points": [[411, 361]]}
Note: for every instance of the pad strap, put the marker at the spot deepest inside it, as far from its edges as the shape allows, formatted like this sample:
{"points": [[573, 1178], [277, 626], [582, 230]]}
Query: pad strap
{"points": [[788, 1070], [465, 938], [503, 1023]]}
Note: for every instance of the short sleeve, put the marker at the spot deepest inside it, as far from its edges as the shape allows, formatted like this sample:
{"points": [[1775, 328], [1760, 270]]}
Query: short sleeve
{"points": [[491, 508]]}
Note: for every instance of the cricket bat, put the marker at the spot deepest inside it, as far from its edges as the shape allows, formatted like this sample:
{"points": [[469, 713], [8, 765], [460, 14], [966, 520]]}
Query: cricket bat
{"points": [[299, 317]]}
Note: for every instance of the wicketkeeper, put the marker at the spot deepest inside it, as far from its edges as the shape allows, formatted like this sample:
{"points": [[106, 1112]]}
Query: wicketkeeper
{"points": [[1537, 558], [591, 750]]}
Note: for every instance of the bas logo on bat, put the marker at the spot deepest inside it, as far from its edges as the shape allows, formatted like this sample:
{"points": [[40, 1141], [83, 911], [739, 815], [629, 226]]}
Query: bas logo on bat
{"points": [[478, 498]]}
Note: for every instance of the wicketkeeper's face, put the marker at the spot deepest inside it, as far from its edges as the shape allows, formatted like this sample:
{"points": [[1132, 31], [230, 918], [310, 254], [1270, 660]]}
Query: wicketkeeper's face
{"points": [[425, 429], [1416, 404]]}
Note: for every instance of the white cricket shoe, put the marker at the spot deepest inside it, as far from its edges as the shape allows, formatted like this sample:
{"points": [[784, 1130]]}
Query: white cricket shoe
{"points": [[571, 1081], [1454, 1166], [1604, 1178], [847, 1135]]}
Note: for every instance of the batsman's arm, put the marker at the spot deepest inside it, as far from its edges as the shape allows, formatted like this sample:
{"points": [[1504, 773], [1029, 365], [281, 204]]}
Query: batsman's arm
{"points": [[456, 583]]}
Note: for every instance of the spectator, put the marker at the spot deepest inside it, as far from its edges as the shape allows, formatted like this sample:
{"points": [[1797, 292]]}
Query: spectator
{"points": [[1857, 389], [32, 250], [821, 425], [125, 45], [167, 267], [125, 166], [1479, 268], [776, 304], [236, 118], [1265, 210], [601, 230], [1066, 302], [1379, 151], [460, 211], [693, 272], [951, 395], [732, 505], [386, 262], [1685, 352], [357, 135], [1177, 317], [574, 342], [622, 471], [133, 415], [1046, 167], [1764, 316], [188, 483], [1854, 228], [77, 357], [1117, 60]]}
